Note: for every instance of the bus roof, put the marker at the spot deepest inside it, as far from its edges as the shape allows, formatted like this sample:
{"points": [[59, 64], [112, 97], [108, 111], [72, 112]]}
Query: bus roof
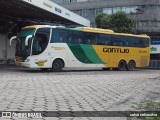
{"points": [[108, 31], [88, 29], [36, 26]]}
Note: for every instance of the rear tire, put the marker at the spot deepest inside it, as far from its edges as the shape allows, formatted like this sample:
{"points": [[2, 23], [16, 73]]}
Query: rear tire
{"points": [[57, 65], [131, 65], [122, 65]]}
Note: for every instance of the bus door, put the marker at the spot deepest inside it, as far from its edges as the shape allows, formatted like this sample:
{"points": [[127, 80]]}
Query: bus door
{"points": [[40, 50]]}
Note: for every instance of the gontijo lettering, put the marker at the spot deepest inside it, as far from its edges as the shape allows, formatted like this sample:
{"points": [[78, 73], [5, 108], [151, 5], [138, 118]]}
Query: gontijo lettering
{"points": [[115, 50]]}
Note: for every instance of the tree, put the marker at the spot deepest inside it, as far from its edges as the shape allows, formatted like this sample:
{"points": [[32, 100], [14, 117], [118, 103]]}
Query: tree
{"points": [[102, 21], [118, 22]]}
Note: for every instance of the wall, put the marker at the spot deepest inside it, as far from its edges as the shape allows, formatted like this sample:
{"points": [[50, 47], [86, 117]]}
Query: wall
{"points": [[2, 46], [11, 49]]}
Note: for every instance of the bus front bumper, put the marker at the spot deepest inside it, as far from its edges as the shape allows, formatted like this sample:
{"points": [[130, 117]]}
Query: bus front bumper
{"points": [[23, 64]]}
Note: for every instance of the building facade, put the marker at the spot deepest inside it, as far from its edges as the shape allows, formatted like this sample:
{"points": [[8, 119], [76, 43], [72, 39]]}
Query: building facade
{"points": [[15, 14], [146, 15]]}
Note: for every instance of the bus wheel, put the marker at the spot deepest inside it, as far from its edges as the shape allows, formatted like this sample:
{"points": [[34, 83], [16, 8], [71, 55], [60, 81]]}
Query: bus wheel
{"points": [[57, 65], [122, 65], [131, 65]]}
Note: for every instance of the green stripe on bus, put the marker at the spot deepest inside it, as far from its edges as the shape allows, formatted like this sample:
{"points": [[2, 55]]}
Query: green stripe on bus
{"points": [[91, 54], [79, 53]]}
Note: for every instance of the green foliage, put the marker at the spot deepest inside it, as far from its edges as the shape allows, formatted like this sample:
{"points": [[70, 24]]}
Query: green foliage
{"points": [[102, 20], [147, 105], [119, 22]]}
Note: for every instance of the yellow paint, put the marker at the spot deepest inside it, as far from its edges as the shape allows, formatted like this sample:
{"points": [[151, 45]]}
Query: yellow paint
{"points": [[112, 59], [35, 26], [111, 32], [58, 48], [41, 63]]}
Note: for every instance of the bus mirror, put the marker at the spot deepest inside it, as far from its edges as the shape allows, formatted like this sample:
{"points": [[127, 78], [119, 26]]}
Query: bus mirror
{"points": [[11, 39], [27, 38]]}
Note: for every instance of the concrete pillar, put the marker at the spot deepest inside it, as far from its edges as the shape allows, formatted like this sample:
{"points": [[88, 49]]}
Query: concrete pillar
{"points": [[3, 46], [6, 51]]}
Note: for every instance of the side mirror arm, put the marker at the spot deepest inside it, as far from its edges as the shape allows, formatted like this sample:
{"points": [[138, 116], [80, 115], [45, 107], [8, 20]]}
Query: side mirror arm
{"points": [[11, 39], [27, 38]]}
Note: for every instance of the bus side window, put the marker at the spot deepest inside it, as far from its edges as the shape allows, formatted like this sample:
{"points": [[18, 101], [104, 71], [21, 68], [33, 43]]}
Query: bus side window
{"points": [[129, 41], [59, 36], [138, 42], [91, 38], [88, 41], [145, 42], [104, 39], [75, 37], [117, 40]]}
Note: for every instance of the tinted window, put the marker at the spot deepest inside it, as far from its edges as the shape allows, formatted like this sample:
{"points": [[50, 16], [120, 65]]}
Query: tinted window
{"points": [[75, 37], [145, 42], [104, 39], [129, 41], [117, 40], [59, 36], [40, 41], [136, 42], [91, 38]]}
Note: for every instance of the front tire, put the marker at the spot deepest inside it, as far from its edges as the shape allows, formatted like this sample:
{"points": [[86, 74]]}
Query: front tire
{"points": [[57, 65]]}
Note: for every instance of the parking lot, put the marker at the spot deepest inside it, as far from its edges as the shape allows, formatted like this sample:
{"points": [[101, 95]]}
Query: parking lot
{"points": [[79, 90]]}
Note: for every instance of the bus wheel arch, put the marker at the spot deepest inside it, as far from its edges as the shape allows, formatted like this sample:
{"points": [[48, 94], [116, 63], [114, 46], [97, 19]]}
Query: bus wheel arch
{"points": [[131, 65], [57, 65], [122, 65]]}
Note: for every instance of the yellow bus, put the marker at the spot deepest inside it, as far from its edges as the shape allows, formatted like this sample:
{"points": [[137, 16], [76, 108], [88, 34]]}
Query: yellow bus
{"points": [[56, 47]]}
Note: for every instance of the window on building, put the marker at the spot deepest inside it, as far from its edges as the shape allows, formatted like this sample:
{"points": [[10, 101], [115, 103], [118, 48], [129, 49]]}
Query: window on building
{"points": [[79, 12], [116, 9], [92, 12], [99, 10], [85, 13], [108, 11], [131, 9]]}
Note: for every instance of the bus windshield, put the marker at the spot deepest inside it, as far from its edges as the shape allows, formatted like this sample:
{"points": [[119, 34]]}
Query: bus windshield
{"points": [[40, 40], [21, 49]]}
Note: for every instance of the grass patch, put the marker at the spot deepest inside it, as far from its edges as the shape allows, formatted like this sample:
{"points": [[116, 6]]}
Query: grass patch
{"points": [[147, 105]]}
